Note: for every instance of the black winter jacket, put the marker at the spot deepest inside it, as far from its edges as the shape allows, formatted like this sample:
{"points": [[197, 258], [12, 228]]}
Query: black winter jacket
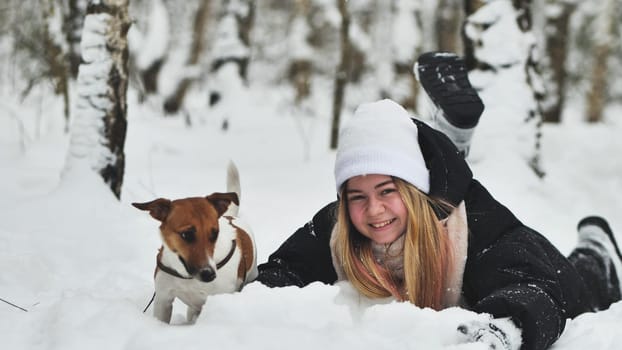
{"points": [[511, 270]]}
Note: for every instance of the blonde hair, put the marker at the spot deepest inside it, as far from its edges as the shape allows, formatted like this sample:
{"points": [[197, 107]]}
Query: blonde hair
{"points": [[426, 253]]}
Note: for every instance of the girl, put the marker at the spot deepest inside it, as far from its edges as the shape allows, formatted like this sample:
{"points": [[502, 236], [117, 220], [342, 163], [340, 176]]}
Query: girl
{"points": [[412, 223]]}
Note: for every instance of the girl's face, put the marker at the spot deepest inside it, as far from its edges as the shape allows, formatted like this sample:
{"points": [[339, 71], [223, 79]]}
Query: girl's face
{"points": [[376, 208]]}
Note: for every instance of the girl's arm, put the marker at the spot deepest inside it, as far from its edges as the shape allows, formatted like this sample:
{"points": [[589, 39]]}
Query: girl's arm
{"points": [[305, 256], [522, 276]]}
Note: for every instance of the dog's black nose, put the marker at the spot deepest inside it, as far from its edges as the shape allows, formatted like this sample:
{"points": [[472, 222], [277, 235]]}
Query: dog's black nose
{"points": [[207, 275]]}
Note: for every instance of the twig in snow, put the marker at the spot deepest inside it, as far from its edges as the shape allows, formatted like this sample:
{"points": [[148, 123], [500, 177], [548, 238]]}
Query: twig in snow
{"points": [[150, 301], [15, 306]]}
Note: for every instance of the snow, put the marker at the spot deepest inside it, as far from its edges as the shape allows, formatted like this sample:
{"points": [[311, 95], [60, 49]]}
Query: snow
{"points": [[227, 43], [407, 34], [299, 48], [150, 44], [495, 48], [81, 262], [92, 98]]}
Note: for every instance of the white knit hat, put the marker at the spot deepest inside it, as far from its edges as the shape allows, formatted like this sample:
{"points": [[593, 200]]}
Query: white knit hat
{"points": [[381, 138]]}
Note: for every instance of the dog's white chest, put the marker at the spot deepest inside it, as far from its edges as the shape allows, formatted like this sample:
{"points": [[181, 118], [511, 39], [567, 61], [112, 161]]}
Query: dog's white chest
{"points": [[192, 291]]}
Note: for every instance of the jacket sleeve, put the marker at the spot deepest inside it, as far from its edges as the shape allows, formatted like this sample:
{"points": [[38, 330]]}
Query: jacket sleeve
{"points": [[513, 271], [522, 276], [305, 256]]}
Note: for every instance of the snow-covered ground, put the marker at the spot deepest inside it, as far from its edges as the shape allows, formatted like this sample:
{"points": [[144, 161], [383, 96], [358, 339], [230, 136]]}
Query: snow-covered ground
{"points": [[81, 263]]}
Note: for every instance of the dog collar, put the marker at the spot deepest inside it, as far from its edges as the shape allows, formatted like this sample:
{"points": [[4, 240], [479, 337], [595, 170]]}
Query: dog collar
{"points": [[219, 265], [224, 261], [171, 271]]}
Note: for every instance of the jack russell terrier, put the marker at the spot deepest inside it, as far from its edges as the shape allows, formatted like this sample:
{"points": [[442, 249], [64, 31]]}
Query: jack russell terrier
{"points": [[205, 249]]}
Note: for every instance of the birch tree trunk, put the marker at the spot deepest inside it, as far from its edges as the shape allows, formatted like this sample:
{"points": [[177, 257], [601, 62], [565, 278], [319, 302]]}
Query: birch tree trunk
{"points": [[499, 42], [98, 132], [534, 81], [341, 76]]}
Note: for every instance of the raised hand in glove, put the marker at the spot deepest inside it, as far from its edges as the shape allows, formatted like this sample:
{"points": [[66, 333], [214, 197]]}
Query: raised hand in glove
{"points": [[497, 333]]}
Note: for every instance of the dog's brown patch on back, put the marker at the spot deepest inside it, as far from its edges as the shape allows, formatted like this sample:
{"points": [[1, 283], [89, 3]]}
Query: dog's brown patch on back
{"points": [[246, 247], [248, 254], [244, 241]]}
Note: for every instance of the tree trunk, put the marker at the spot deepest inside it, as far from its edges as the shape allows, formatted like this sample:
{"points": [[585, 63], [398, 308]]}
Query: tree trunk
{"points": [[604, 37], [407, 16], [244, 13], [534, 81], [596, 95], [150, 76], [99, 128], [229, 66], [72, 27], [55, 59], [557, 37], [470, 7], [483, 34], [341, 76], [301, 66], [361, 23], [173, 103], [246, 19], [382, 58], [448, 25], [150, 60]]}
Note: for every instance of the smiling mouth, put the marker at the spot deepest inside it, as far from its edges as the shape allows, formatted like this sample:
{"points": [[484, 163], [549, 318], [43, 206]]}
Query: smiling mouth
{"points": [[382, 224]]}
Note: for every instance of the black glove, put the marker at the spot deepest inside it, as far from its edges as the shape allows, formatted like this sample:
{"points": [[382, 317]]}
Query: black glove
{"points": [[498, 334]]}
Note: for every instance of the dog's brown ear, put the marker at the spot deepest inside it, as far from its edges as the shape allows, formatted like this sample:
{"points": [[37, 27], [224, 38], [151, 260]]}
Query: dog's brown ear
{"points": [[158, 208], [221, 201]]}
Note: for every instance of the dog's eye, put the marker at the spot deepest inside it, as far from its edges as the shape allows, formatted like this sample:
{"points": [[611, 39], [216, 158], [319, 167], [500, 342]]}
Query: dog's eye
{"points": [[188, 235], [214, 236]]}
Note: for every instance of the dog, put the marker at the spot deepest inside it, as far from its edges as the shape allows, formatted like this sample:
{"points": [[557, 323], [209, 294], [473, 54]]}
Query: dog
{"points": [[206, 249]]}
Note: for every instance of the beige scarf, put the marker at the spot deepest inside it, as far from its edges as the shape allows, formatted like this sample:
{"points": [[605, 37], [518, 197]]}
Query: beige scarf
{"points": [[392, 258]]}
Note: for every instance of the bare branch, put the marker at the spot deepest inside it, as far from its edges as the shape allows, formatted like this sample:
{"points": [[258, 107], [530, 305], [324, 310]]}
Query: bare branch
{"points": [[15, 306]]}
